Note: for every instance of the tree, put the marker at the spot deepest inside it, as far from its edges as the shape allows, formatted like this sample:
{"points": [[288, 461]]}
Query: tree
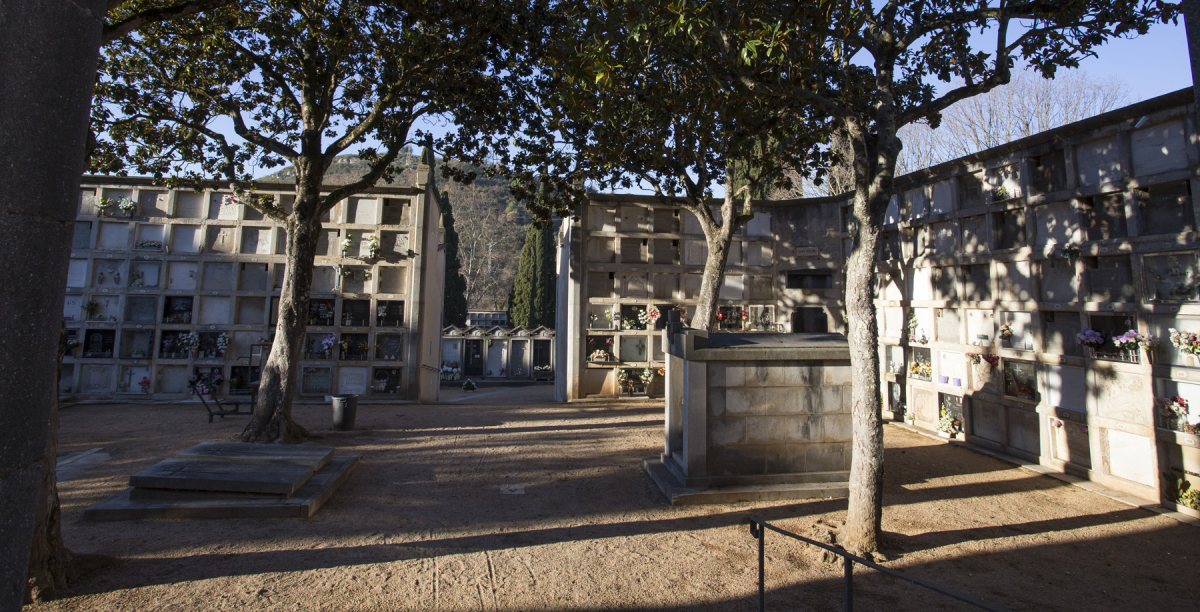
{"points": [[626, 106], [454, 304], [533, 294], [299, 82], [1026, 105], [489, 246], [868, 67]]}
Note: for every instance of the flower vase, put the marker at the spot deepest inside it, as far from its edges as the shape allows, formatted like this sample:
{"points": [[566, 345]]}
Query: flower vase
{"points": [[948, 436]]}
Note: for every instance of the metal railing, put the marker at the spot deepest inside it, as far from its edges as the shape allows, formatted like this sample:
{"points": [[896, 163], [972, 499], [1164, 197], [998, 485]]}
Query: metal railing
{"points": [[758, 529]]}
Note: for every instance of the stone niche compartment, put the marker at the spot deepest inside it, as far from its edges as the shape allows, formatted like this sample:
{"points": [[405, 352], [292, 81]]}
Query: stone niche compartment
{"points": [[1069, 440], [362, 211], [390, 347], [1021, 326], [136, 343], [324, 279], [96, 378], [1009, 229], [385, 380], [393, 279], [209, 344], [695, 252], [949, 325], [356, 313], [149, 237], [970, 190], [915, 203], [352, 381], [600, 284], [1166, 208], [221, 239], [601, 219], [254, 277], [328, 244], [633, 348], [1059, 283], [181, 275], [1066, 387], [251, 311], [178, 309], [977, 283], [320, 312], [218, 277], [108, 273], [99, 343], [1056, 224], [189, 205], [633, 219], [1049, 172], [945, 283], [974, 234], [73, 309], [172, 379], [666, 286], [666, 221], [353, 347], [77, 273], [144, 274], [1104, 217], [634, 286], [980, 327], [113, 236], [943, 197], [214, 310], [1020, 380], [1110, 279], [1014, 283], [920, 364], [256, 240], [223, 206], [666, 251], [316, 380], [103, 308], [1158, 148], [1173, 277], [356, 279], [602, 250], [1128, 456], [395, 212], [1060, 329], [1097, 161], [313, 344], [394, 245], [987, 420], [389, 313], [185, 238], [130, 377]]}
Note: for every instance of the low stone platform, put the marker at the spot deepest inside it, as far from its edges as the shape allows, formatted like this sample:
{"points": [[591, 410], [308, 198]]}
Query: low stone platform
{"points": [[680, 494], [219, 479], [307, 501]]}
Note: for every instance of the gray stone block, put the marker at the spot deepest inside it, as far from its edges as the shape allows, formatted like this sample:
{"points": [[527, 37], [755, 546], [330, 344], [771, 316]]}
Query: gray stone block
{"points": [[837, 374], [827, 457], [730, 460], [725, 432], [786, 459], [716, 401], [837, 428]]}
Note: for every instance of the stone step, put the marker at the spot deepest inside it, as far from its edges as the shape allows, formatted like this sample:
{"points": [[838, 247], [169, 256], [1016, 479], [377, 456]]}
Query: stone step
{"points": [[223, 476], [306, 502], [680, 495], [315, 457]]}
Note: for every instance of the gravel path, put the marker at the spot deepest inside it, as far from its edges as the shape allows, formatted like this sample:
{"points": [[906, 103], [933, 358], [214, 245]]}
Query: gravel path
{"points": [[499, 502]]}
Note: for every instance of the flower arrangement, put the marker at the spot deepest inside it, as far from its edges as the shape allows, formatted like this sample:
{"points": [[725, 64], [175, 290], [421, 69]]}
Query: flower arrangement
{"points": [[1000, 193], [327, 344], [223, 343], [622, 377], [1070, 251], [373, 245], [922, 369], [1175, 415], [346, 244], [662, 371], [977, 358], [150, 244], [545, 368], [592, 318], [1090, 337], [653, 314], [948, 424], [1180, 489], [469, 385], [637, 321], [647, 376], [191, 340], [1055, 423], [203, 384], [144, 383], [1185, 341], [598, 355], [127, 205], [1006, 332], [1132, 341], [72, 345], [105, 206]]}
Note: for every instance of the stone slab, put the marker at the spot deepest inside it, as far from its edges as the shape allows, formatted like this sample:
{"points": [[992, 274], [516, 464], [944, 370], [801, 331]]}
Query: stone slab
{"points": [[315, 457], [72, 467], [679, 495], [224, 476], [190, 504]]}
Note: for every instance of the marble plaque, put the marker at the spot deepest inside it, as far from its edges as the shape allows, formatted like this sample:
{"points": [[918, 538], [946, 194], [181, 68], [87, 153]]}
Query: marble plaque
{"points": [[77, 273], [96, 378], [218, 276], [189, 205], [214, 310], [1129, 456], [113, 236], [172, 379], [181, 275]]}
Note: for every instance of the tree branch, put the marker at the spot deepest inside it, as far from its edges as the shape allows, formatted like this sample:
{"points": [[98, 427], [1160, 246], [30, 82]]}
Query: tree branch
{"points": [[368, 179], [114, 31]]}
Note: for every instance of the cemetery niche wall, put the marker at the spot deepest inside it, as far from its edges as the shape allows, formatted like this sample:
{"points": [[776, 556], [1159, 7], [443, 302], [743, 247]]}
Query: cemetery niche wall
{"points": [[496, 354], [992, 266], [178, 282]]}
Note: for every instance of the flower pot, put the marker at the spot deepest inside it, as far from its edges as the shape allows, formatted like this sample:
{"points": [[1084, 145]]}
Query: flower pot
{"points": [[957, 382], [943, 379], [948, 436], [985, 343]]}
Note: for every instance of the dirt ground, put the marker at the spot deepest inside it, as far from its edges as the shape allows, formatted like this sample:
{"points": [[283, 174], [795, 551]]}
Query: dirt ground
{"points": [[422, 524]]}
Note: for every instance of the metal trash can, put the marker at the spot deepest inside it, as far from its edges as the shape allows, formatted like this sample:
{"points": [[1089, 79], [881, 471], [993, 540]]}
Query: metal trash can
{"points": [[345, 409]]}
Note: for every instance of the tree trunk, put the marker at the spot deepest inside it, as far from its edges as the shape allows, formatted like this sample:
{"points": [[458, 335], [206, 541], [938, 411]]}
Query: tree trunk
{"points": [[49, 559], [272, 421], [717, 238], [47, 70], [873, 169]]}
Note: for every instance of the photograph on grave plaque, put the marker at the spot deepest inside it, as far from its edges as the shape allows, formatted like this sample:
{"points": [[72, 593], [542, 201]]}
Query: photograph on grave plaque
{"points": [[389, 313], [1020, 380], [386, 380], [356, 313], [177, 309], [320, 312], [99, 343], [389, 347]]}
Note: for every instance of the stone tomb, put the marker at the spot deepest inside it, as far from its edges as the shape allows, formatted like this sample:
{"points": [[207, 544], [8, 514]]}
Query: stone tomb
{"points": [[755, 417], [230, 479]]}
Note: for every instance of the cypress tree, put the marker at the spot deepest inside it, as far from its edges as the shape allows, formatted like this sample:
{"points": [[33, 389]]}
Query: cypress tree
{"points": [[454, 302], [542, 304], [524, 289]]}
